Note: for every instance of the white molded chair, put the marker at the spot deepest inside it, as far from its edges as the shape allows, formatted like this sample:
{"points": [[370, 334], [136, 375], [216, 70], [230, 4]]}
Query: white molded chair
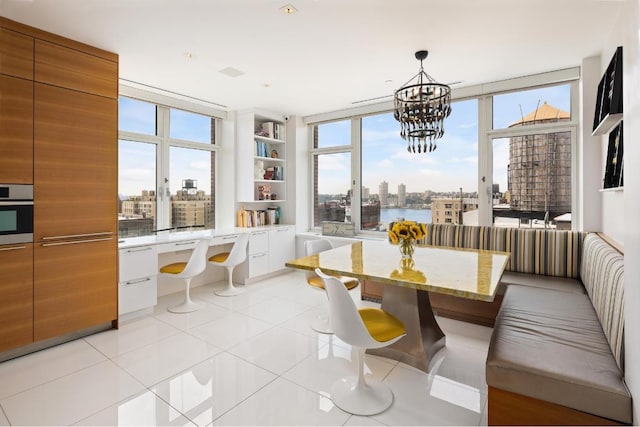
{"points": [[311, 247], [186, 271], [229, 260], [362, 328]]}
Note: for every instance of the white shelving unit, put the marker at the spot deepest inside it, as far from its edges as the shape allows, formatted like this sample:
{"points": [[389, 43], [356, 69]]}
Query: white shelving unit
{"points": [[261, 160]]}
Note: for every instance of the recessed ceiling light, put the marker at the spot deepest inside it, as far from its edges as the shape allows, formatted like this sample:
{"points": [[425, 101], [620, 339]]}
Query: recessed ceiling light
{"points": [[231, 72], [288, 9], [388, 81], [266, 85], [189, 55]]}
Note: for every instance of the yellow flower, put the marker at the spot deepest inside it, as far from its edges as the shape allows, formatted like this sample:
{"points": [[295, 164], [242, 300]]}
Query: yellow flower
{"points": [[407, 230]]}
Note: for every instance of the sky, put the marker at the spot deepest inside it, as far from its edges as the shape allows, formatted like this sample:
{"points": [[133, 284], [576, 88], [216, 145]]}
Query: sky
{"points": [[454, 163], [137, 160]]}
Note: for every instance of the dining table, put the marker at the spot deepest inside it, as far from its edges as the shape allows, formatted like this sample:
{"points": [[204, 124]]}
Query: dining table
{"points": [[464, 273]]}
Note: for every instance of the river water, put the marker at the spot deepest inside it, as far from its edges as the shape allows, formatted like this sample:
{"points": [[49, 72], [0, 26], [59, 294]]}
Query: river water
{"points": [[393, 214]]}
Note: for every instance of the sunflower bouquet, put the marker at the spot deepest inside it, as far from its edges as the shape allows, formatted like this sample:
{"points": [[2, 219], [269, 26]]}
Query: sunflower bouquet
{"points": [[405, 234]]}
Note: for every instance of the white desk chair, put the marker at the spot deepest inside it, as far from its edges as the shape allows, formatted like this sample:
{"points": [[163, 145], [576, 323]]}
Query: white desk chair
{"points": [[363, 328], [229, 260], [186, 271], [311, 247]]}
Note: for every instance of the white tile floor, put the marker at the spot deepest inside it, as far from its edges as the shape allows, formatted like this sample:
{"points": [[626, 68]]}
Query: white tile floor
{"points": [[246, 360]]}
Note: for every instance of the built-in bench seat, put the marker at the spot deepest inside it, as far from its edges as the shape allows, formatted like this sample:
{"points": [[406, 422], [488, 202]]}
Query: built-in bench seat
{"points": [[556, 357]]}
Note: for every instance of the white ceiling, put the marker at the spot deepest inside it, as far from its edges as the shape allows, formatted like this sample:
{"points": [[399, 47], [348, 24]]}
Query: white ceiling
{"points": [[329, 54]]}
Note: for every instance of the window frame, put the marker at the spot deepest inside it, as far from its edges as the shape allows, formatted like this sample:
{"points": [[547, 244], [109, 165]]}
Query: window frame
{"points": [[163, 143], [486, 134]]}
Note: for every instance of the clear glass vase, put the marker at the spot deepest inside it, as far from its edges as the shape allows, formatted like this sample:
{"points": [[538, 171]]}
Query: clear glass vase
{"points": [[407, 247]]}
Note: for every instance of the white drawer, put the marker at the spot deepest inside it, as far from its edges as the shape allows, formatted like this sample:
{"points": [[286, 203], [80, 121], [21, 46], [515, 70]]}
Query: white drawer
{"points": [[186, 245], [137, 294], [258, 264], [138, 262], [223, 240], [259, 242]]}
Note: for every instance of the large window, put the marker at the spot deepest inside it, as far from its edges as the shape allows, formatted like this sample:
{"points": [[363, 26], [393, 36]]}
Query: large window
{"points": [[398, 185], [332, 172], [505, 159], [532, 161], [166, 169]]}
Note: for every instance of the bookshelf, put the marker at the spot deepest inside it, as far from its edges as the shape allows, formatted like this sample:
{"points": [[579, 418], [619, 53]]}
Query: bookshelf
{"points": [[609, 99], [261, 168]]}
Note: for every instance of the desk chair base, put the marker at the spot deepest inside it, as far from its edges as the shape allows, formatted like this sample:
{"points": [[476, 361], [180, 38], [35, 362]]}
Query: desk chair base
{"points": [[186, 307], [321, 325], [367, 399], [229, 292]]}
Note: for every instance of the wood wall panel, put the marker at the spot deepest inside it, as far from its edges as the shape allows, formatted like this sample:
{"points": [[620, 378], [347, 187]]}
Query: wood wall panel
{"points": [[72, 69], [56, 39], [16, 54], [509, 409], [75, 287], [16, 296], [75, 157], [16, 130]]}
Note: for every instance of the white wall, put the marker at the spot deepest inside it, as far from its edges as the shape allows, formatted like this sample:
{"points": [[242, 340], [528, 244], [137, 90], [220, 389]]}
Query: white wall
{"points": [[589, 150], [612, 202], [630, 23]]}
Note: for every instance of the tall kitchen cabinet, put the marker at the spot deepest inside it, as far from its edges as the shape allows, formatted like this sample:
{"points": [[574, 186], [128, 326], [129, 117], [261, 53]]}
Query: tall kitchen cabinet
{"points": [[75, 189], [70, 156]]}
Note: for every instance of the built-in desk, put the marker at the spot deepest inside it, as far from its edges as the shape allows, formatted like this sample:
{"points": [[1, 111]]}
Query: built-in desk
{"points": [[141, 257]]}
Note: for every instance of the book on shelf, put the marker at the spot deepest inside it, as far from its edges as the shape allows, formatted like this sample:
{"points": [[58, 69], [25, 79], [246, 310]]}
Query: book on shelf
{"points": [[257, 217], [262, 150], [272, 130]]}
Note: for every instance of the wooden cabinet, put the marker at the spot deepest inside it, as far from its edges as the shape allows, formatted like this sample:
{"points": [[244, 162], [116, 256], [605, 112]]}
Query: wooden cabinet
{"points": [[75, 285], [75, 185], [72, 69], [75, 180], [16, 54], [16, 130], [16, 296], [60, 133]]}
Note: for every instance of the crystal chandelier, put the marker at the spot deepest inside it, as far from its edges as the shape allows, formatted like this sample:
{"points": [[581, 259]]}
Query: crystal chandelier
{"points": [[421, 105]]}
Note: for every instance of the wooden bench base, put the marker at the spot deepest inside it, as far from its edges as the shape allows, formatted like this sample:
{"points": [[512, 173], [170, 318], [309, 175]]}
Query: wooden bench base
{"points": [[506, 408]]}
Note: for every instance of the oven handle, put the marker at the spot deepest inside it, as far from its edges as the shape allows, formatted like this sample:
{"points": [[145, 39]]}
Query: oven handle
{"points": [[16, 203], [74, 242], [14, 248], [76, 236]]}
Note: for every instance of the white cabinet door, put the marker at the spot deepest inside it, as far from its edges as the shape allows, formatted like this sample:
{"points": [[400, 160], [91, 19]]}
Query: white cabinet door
{"points": [[258, 242], [258, 264], [138, 262], [281, 247]]}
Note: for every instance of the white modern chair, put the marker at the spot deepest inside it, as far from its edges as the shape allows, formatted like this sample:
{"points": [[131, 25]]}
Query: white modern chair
{"points": [[186, 271], [230, 260], [362, 328], [311, 247]]}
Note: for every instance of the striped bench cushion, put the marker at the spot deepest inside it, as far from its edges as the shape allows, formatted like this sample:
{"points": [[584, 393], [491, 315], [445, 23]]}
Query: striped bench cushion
{"points": [[537, 251], [602, 274]]}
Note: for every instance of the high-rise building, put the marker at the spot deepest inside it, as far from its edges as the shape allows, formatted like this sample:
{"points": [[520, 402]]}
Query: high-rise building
{"points": [[383, 190], [365, 193], [402, 195], [449, 210]]}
